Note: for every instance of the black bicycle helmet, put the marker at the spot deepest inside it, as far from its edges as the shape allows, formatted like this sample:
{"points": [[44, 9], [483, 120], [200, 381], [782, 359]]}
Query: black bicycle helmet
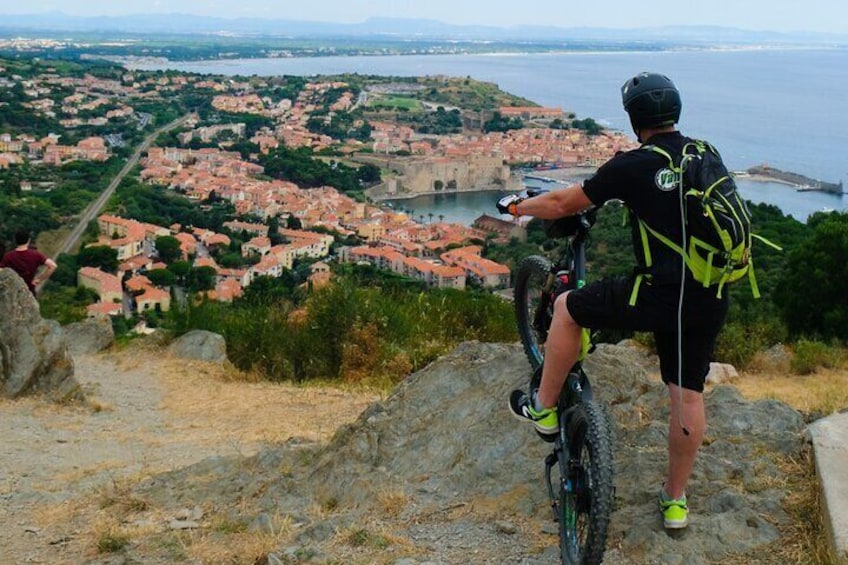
{"points": [[651, 100]]}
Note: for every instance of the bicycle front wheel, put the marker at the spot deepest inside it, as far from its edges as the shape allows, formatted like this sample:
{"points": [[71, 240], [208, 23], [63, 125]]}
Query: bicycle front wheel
{"points": [[586, 492], [533, 306]]}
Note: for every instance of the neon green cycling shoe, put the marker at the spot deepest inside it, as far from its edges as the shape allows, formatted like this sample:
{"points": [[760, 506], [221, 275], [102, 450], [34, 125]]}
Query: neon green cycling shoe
{"points": [[674, 510], [545, 420]]}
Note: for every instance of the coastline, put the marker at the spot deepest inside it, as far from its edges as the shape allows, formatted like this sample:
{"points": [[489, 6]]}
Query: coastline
{"points": [[412, 195], [464, 206], [569, 175]]}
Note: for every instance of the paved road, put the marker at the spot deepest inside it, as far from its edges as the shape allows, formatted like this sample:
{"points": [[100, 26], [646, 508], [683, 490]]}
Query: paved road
{"points": [[95, 207]]}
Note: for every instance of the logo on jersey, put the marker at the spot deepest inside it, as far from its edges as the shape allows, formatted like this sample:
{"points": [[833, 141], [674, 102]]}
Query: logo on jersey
{"points": [[666, 180]]}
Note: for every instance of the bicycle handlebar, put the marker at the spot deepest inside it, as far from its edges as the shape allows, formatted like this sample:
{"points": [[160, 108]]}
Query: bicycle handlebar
{"points": [[576, 225]]}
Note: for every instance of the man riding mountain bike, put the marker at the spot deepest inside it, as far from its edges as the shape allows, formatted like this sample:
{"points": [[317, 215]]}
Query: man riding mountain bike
{"points": [[661, 296]]}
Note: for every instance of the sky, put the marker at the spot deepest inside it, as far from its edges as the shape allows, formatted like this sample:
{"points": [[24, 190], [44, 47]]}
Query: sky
{"points": [[829, 16]]}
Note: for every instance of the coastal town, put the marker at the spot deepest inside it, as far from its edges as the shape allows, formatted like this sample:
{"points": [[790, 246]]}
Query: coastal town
{"points": [[205, 162], [438, 253], [278, 314]]}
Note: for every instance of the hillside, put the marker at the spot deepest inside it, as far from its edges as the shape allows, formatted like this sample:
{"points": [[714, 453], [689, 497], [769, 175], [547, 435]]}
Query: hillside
{"points": [[175, 462]]}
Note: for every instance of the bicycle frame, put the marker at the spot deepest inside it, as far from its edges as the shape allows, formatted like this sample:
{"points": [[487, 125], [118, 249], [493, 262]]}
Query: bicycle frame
{"points": [[581, 495], [572, 262]]}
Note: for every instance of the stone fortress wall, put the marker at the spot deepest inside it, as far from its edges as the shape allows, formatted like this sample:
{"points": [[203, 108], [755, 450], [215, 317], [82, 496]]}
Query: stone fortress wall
{"points": [[422, 175]]}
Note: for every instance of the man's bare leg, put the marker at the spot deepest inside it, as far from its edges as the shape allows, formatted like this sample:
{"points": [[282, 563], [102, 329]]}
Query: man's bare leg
{"points": [[682, 448], [561, 351]]}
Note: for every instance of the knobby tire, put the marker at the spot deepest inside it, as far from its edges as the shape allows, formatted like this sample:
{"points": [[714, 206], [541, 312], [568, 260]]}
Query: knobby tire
{"points": [[589, 464], [530, 280]]}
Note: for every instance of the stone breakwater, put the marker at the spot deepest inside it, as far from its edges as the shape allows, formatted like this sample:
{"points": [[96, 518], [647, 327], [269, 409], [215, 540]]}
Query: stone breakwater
{"points": [[799, 181]]}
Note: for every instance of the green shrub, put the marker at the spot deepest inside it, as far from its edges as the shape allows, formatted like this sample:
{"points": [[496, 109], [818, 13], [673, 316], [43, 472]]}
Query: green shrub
{"points": [[739, 341], [737, 345], [812, 295], [810, 355], [351, 330], [112, 543]]}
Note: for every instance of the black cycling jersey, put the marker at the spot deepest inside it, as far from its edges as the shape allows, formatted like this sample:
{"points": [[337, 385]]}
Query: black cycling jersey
{"points": [[636, 178]]}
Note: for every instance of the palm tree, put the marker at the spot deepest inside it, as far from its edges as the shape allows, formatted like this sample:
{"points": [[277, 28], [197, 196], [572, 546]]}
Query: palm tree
{"points": [[431, 216], [441, 218]]}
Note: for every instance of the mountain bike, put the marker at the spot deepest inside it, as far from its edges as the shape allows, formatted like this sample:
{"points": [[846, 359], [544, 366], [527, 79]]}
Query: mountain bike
{"points": [[579, 469]]}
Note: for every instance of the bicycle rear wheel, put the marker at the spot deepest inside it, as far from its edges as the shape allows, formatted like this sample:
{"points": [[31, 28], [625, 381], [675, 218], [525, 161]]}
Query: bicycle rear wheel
{"points": [[533, 306], [586, 494]]}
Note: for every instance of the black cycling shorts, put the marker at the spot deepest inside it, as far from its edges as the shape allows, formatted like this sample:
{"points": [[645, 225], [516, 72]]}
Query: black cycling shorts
{"points": [[605, 305]]}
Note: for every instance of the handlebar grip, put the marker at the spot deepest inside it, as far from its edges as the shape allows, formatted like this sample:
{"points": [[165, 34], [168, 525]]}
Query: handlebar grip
{"points": [[535, 191]]}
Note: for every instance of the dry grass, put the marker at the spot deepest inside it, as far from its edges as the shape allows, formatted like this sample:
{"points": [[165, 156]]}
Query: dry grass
{"points": [[223, 541], [163, 413], [371, 543], [822, 393], [804, 540], [209, 405], [392, 502], [214, 404]]}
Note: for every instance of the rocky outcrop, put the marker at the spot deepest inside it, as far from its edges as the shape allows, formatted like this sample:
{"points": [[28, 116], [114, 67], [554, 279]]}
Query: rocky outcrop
{"points": [[200, 345], [34, 354], [89, 336], [465, 476], [445, 434], [722, 373]]}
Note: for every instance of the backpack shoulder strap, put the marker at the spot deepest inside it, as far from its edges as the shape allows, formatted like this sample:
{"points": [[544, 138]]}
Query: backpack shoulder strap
{"points": [[660, 151], [677, 163]]}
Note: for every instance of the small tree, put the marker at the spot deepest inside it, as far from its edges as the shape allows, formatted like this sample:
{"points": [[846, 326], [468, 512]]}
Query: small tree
{"points": [[180, 269], [274, 231], [99, 256], [293, 222], [161, 277], [812, 294], [201, 278], [168, 248], [368, 174]]}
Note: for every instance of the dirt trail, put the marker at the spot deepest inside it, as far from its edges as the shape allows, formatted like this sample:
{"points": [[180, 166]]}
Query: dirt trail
{"points": [[146, 414]]}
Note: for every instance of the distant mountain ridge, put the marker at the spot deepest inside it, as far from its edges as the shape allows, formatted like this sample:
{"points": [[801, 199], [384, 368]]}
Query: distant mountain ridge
{"points": [[395, 28]]}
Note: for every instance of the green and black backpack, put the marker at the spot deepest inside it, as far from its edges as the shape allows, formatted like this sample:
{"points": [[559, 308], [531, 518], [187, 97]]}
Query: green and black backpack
{"points": [[718, 232]]}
